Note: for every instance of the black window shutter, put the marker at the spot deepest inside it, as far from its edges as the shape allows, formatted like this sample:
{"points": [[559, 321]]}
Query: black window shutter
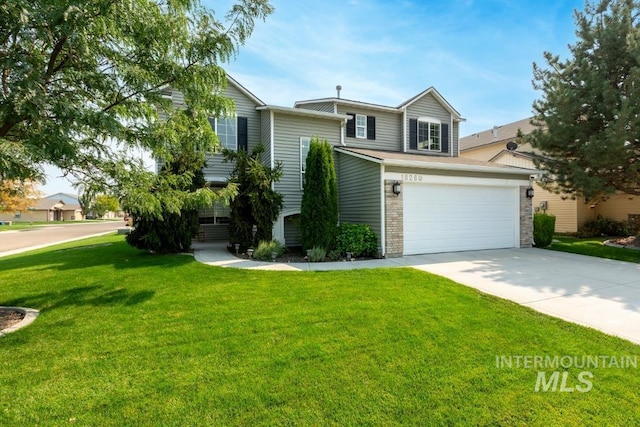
{"points": [[371, 127], [243, 137], [351, 125], [413, 134], [444, 138]]}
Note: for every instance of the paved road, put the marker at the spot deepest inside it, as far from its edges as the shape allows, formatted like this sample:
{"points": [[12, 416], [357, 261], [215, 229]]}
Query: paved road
{"points": [[18, 241]]}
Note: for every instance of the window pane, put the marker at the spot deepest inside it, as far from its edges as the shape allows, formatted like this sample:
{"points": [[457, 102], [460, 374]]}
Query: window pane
{"points": [[361, 120], [423, 135], [435, 137], [304, 151], [361, 126], [227, 132]]}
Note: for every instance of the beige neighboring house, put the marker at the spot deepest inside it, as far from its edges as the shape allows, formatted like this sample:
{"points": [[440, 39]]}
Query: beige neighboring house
{"points": [[45, 210], [498, 145]]}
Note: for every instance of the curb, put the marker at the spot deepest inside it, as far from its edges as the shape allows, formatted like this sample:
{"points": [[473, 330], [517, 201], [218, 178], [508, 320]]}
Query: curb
{"points": [[30, 315]]}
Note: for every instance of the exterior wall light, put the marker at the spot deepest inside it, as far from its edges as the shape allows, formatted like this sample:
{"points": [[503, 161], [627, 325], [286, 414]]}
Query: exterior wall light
{"points": [[396, 188], [529, 193]]}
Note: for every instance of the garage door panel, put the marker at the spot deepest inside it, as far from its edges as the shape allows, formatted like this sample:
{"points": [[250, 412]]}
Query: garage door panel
{"points": [[443, 218]]}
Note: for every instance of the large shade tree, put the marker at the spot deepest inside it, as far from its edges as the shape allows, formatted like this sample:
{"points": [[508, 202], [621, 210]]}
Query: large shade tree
{"points": [[81, 85], [589, 109]]}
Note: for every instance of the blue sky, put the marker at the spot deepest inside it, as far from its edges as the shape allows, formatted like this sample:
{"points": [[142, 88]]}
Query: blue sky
{"points": [[477, 54]]}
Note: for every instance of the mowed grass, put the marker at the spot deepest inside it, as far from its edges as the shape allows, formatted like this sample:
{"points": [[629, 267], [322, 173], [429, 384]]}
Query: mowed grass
{"points": [[127, 338], [594, 247]]}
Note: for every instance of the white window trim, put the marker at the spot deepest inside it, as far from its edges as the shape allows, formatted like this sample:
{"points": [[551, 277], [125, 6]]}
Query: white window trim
{"points": [[303, 161], [363, 127], [430, 121], [235, 124]]}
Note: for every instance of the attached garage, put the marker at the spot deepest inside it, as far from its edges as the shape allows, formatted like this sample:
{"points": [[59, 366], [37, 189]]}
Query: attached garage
{"points": [[449, 217], [430, 204]]}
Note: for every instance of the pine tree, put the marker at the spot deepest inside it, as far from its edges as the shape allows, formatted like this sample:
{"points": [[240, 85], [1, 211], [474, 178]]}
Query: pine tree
{"points": [[589, 111], [319, 210]]}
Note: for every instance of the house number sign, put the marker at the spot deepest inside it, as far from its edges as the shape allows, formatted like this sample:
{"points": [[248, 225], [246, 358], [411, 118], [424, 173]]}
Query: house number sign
{"points": [[411, 177]]}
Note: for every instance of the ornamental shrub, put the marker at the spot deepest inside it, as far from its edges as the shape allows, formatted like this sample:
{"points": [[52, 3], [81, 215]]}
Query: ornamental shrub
{"points": [[319, 208], [359, 239], [544, 226], [317, 254], [601, 226], [266, 248]]}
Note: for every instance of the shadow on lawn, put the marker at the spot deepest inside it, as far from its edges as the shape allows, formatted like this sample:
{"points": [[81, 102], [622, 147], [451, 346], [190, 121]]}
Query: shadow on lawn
{"points": [[115, 254], [91, 296]]}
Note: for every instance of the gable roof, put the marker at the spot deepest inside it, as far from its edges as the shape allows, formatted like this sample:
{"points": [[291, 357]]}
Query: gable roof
{"points": [[497, 134], [47, 204], [244, 90], [70, 195], [432, 91], [396, 158], [522, 155], [399, 109]]}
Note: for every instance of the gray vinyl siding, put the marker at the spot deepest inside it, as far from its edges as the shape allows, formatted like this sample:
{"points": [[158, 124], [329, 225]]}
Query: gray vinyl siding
{"points": [[429, 106], [359, 189], [287, 132], [388, 130], [292, 233], [245, 107], [265, 136], [327, 107]]}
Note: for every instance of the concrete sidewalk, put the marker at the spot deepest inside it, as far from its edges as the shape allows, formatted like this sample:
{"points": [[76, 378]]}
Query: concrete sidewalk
{"points": [[595, 292]]}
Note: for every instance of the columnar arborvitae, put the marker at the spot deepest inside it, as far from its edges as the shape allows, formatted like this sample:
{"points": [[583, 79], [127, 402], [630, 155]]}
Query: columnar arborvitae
{"points": [[319, 210]]}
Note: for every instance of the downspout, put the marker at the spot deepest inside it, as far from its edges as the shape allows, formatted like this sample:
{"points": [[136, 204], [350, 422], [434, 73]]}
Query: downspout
{"points": [[272, 161], [343, 124]]}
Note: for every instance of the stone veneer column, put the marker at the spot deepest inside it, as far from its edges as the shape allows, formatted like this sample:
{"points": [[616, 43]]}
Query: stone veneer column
{"points": [[526, 219], [394, 226]]}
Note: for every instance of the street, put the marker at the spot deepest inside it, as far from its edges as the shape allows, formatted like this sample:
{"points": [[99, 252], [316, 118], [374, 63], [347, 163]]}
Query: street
{"points": [[18, 241]]}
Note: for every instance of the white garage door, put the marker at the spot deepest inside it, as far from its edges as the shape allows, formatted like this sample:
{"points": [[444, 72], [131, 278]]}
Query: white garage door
{"points": [[447, 218]]}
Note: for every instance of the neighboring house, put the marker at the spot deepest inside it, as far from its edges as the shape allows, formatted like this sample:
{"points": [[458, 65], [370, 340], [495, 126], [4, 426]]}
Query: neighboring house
{"points": [[45, 210], [498, 145], [443, 202], [73, 210]]}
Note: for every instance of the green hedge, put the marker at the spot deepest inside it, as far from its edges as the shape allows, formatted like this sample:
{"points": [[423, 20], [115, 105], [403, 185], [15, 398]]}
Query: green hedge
{"points": [[543, 228], [359, 239]]}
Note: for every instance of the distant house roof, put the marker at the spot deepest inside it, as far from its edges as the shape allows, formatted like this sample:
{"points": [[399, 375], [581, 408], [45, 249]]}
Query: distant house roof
{"points": [[497, 134], [47, 204]]}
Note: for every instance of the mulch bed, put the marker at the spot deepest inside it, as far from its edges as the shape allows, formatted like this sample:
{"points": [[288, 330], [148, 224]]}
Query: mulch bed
{"points": [[627, 241], [9, 318]]}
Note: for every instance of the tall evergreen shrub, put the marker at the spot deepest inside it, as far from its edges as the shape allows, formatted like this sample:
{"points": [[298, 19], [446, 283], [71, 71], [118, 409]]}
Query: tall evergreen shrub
{"points": [[319, 210]]}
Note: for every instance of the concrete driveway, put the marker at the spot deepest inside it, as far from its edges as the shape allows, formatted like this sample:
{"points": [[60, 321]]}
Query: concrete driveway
{"points": [[595, 292]]}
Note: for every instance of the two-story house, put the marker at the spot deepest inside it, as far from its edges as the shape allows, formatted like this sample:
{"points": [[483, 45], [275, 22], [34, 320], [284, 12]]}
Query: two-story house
{"points": [[398, 171]]}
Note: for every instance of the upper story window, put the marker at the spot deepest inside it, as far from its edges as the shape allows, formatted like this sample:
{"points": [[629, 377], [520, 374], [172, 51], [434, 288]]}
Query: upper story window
{"points": [[304, 151], [231, 131], [361, 126], [428, 135]]}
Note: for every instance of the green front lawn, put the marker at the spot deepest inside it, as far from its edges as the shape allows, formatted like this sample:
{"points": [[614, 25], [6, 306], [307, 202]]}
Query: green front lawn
{"points": [[593, 247], [126, 338]]}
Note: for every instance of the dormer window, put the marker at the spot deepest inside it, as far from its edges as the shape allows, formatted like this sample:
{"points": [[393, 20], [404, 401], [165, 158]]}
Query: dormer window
{"points": [[429, 134]]}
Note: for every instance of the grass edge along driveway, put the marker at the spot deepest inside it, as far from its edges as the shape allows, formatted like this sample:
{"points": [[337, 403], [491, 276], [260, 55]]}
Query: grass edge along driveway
{"points": [[127, 338]]}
